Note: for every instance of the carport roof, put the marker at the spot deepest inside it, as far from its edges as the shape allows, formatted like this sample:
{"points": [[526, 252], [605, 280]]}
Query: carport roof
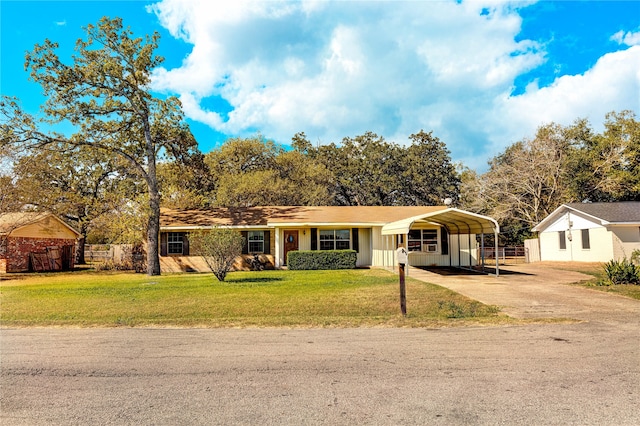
{"points": [[456, 221]]}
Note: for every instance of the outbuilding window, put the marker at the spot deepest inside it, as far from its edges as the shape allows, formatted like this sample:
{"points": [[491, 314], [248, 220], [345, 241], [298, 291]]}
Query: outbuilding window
{"points": [[562, 239], [586, 244]]}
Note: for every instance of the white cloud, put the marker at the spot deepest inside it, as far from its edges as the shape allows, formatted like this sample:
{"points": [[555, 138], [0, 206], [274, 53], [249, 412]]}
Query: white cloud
{"points": [[612, 84], [629, 38], [336, 69]]}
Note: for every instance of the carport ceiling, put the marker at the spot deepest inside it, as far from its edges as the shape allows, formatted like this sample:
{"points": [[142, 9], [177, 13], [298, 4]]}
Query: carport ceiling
{"points": [[456, 221]]}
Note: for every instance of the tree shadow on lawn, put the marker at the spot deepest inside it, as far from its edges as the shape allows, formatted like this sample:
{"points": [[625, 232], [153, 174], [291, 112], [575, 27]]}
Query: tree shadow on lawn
{"points": [[252, 280], [449, 270]]}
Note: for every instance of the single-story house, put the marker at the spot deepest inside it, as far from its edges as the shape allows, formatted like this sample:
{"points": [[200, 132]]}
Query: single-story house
{"points": [[590, 232], [433, 235], [35, 242]]}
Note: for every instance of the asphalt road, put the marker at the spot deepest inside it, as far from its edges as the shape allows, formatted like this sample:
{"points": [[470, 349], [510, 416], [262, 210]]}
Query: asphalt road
{"points": [[585, 373]]}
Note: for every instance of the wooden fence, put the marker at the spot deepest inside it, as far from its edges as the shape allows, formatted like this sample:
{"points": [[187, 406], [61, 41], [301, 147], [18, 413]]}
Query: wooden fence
{"points": [[116, 253]]}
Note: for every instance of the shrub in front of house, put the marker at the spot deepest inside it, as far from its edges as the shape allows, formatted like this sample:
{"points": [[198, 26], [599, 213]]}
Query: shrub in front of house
{"points": [[321, 259]]}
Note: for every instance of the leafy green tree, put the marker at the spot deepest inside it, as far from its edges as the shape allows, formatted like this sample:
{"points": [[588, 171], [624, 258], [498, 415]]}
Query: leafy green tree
{"points": [[365, 170], [9, 199], [187, 183], [430, 176], [78, 186], [368, 170], [219, 247], [606, 167], [252, 172], [104, 94]]}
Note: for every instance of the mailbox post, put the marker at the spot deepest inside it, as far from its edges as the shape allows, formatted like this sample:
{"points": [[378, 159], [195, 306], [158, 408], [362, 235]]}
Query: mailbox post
{"points": [[401, 255]]}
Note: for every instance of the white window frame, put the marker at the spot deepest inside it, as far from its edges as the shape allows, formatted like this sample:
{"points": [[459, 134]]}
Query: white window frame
{"points": [[334, 237], [255, 240], [423, 244], [175, 240]]}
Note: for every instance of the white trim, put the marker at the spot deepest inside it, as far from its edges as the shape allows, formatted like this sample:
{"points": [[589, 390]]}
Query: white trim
{"points": [[196, 228], [324, 224]]}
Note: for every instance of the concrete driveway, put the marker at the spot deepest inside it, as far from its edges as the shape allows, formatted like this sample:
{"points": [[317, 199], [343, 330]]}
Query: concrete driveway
{"points": [[581, 373], [538, 291]]}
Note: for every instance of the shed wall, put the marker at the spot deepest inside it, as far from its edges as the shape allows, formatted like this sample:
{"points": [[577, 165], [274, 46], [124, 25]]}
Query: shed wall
{"points": [[601, 246], [16, 255]]}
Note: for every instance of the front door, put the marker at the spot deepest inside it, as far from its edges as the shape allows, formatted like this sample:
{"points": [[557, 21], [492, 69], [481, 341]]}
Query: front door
{"points": [[290, 243]]}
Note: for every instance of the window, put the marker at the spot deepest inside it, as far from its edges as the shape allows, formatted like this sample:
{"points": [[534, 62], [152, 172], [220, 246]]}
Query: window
{"points": [[256, 241], [175, 242], [425, 240], [585, 239], [335, 239], [414, 240], [430, 240], [562, 239]]}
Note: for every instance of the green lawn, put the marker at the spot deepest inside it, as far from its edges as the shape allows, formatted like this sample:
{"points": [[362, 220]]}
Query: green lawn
{"points": [[350, 298]]}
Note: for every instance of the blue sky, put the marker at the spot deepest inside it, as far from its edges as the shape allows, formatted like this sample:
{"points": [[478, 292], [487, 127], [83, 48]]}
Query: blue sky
{"points": [[480, 74]]}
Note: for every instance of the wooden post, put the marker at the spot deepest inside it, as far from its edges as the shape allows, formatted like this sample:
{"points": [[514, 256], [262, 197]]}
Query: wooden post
{"points": [[403, 291], [401, 255]]}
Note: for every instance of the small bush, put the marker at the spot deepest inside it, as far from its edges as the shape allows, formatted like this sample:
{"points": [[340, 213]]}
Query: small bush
{"points": [[219, 248], [621, 272], [321, 259]]}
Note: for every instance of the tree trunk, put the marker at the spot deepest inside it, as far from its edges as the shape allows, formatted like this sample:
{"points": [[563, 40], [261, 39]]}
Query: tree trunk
{"points": [[153, 224], [80, 260], [153, 232]]}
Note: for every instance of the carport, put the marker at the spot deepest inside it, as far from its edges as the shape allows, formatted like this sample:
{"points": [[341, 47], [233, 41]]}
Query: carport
{"points": [[457, 223]]}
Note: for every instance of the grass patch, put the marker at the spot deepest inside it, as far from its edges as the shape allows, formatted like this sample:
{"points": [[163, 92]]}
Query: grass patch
{"points": [[599, 280], [347, 298]]}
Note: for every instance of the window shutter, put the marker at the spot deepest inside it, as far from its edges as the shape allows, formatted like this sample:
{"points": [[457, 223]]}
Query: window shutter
{"points": [[163, 244], [355, 243], [245, 243], [444, 236], [267, 242], [314, 238], [185, 244]]}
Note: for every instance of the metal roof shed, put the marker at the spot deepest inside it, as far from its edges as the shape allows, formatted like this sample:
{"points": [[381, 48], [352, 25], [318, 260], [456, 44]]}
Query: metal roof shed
{"points": [[454, 220]]}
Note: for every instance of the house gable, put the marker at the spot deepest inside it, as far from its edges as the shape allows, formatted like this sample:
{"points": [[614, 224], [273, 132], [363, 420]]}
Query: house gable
{"points": [[602, 214], [35, 225], [571, 220]]}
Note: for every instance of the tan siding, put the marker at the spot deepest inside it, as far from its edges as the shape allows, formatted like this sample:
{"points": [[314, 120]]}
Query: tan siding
{"points": [[364, 252], [48, 227]]}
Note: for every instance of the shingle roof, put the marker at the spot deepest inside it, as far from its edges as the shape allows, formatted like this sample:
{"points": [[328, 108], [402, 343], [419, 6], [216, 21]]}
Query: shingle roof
{"points": [[261, 216], [620, 212]]}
